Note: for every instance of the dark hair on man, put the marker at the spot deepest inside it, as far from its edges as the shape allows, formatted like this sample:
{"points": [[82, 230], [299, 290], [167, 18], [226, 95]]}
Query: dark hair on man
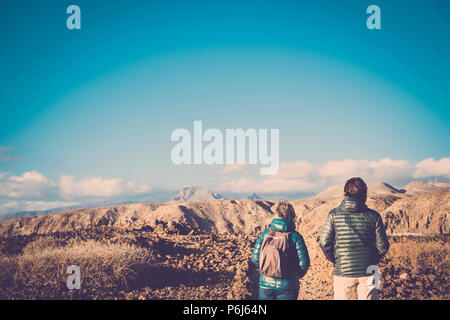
{"points": [[356, 187], [285, 210]]}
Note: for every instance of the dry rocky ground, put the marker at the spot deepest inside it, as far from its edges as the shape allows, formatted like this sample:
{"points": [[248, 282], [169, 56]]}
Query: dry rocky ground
{"points": [[213, 266], [201, 249]]}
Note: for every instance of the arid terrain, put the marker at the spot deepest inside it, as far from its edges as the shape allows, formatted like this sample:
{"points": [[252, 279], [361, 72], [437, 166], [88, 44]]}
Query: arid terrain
{"points": [[201, 249]]}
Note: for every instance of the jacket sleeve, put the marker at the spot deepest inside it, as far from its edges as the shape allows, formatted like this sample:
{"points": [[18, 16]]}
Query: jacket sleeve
{"points": [[257, 248], [303, 255], [327, 237], [381, 239]]}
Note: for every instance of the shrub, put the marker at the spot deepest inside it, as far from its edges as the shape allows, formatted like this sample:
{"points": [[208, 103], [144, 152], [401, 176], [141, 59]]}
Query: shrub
{"points": [[421, 257], [43, 264]]}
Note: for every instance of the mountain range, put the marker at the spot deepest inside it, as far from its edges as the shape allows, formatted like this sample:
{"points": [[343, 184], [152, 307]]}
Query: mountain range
{"points": [[425, 210], [159, 196], [195, 193]]}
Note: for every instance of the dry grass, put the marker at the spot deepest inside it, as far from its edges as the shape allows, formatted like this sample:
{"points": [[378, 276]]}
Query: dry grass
{"points": [[43, 264], [416, 268], [122, 266], [421, 257]]}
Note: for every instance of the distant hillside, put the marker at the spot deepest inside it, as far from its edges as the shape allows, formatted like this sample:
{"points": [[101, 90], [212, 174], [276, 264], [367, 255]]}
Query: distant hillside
{"points": [[426, 213], [196, 208], [24, 214], [157, 196], [195, 194], [375, 188], [418, 187], [421, 213]]}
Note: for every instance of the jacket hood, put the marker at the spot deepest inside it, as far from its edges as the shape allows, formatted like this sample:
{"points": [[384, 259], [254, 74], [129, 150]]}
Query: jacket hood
{"points": [[352, 204], [283, 225]]}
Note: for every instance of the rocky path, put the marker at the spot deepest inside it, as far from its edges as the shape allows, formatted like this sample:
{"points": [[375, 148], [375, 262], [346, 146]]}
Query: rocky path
{"points": [[200, 267]]}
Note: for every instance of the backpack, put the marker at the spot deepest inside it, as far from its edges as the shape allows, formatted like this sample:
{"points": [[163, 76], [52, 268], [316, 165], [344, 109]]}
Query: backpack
{"points": [[274, 258]]}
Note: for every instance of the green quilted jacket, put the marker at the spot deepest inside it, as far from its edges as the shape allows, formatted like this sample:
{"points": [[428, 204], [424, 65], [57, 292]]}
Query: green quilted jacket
{"points": [[291, 283], [353, 237]]}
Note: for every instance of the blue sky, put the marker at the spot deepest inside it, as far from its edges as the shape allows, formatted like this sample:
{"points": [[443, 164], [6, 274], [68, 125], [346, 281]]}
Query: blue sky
{"points": [[102, 101]]}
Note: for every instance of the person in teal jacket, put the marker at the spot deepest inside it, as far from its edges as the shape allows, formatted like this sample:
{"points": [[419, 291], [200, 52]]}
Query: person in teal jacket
{"points": [[287, 287]]}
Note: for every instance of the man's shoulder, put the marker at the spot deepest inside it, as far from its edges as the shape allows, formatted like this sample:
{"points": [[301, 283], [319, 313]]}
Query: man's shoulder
{"points": [[333, 211], [373, 212]]}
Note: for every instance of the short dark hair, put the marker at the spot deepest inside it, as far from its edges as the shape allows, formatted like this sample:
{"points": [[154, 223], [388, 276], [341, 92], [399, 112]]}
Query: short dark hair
{"points": [[285, 210], [356, 187]]}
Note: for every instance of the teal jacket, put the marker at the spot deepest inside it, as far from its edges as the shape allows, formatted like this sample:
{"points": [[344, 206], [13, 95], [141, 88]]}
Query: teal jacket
{"points": [[353, 237], [298, 271]]}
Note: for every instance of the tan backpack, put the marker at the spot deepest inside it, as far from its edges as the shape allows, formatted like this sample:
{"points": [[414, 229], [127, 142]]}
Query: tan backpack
{"points": [[274, 260]]}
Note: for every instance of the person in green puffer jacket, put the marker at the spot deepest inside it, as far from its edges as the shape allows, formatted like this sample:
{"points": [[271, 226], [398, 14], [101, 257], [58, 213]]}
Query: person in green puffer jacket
{"points": [[354, 238], [282, 257]]}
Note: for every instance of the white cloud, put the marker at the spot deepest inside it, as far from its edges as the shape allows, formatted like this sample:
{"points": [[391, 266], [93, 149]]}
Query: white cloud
{"points": [[69, 188], [388, 169], [298, 169], [16, 206], [33, 191], [303, 176], [233, 168], [30, 185], [347, 167], [384, 169], [46, 205], [33, 185], [432, 168], [270, 185]]}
